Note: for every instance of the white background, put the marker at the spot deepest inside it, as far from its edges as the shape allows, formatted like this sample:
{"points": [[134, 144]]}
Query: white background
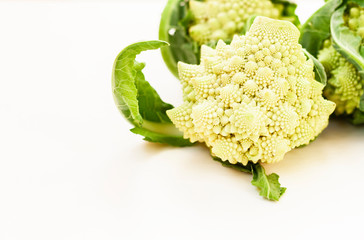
{"points": [[70, 168]]}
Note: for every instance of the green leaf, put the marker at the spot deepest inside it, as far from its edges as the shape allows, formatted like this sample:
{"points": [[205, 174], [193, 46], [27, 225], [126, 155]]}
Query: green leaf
{"points": [[317, 28], [137, 100], [173, 28], [269, 185], [161, 138], [359, 2], [345, 41], [349, 45], [358, 117], [151, 106], [238, 166], [362, 103], [124, 76], [320, 74]]}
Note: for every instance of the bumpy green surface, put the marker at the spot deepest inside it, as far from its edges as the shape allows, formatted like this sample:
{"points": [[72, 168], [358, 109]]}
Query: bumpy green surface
{"points": [[354, 19], [345, 85], [221, 19], [255, 99]]}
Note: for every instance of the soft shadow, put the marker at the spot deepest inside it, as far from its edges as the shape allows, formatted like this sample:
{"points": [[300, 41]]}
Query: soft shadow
{"points": [[146, 150]]}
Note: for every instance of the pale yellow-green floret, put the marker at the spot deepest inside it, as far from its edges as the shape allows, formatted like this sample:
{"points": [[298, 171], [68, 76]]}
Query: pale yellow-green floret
{"points": [[221, 19], [354, 19], [247, 109], [344, 86]]}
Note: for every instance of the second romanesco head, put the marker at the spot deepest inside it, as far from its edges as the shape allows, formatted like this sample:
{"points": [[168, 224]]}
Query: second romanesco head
{"points": [[221, 19], [255, 99], [345, 86]]}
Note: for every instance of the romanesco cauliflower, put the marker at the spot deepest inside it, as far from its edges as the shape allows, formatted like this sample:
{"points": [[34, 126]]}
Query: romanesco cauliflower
{"points": [[255, 99], [345, 85]]}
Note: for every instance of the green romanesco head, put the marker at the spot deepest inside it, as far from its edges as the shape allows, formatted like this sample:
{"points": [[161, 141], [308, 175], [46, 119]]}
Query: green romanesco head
{"points": [[254, 99], [221, 19], [344, 85], [354, 19]]}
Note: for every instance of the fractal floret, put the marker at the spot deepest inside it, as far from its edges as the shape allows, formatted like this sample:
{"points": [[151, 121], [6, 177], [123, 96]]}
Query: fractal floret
{"points": [[221, 19], [354, 19], [345, 85], [255, 99]]}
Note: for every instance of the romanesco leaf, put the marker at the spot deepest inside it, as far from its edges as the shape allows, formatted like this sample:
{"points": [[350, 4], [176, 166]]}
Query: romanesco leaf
{"points": [[151, 136], [173, 29], [345, 42], [148, 99], [238, 166], [139, 102], [358, 117], [124, 76], [320, 74], [317, 28], [268, 185]]}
